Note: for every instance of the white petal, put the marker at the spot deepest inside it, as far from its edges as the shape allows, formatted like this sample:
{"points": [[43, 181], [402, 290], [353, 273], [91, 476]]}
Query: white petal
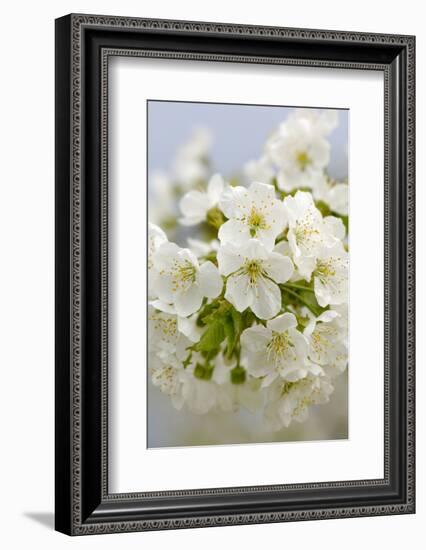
{"points": [[253, 249], [269, 378], [262, 192], [229, 259], [165, 255], [194, 204], [339, 199], [283, 322], [322, 293], [267, 237], [328, 316], [193, 220], [188, 327], [310, 327], [239, 292], [319, 152], [298, 205], [283, 248], [209, 280], [305, 266], [257, 366], [267, 299], [163, 287], [185, 254], [156, 236], [222, 372], [162, 306], [215, 188], [300, 342], [234, 201], [233, 231], [188, 302], [314, 369], [278, 267], [335, 227], [285, 182], [255, 339]]}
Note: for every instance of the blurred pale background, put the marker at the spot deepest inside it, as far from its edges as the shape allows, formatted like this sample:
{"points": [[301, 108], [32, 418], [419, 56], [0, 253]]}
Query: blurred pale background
{"points": [[238, 132]]}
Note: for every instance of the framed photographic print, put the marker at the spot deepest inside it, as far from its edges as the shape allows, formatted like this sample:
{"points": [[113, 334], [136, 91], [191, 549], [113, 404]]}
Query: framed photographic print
{"points": [[234, 274]]}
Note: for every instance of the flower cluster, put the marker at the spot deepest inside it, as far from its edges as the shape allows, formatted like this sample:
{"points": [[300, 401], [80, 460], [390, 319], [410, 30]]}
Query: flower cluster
{"points": [[254, 313]]}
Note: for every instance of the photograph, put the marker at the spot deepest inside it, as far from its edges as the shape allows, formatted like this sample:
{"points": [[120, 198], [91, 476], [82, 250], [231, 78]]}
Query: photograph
{"points": [[248, 273], [235, 273], [210, 262]]}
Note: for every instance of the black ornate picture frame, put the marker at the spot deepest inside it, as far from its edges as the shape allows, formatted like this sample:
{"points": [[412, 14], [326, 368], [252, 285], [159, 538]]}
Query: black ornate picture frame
{"points": [[84, 44]]}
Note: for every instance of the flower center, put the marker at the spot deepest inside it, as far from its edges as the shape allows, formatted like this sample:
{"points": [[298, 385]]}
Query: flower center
{"points": [[166, 325], [254, 270], [325, 269], [280, 347], [256, 221], [322, 339], [166, 378], [303, 160], [306, 233], [184, 275], [319, 343]]}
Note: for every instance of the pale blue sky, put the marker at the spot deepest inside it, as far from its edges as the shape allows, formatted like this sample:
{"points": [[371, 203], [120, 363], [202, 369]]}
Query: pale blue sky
{"points": [[239, 132]]}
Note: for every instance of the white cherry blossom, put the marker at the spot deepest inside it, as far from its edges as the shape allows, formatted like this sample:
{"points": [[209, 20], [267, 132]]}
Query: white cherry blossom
{"points": [[244, 394], [253, 213], [338, 199], [283, 248], [253, 274], [288, 401], [331, 276], [299, 148], [309, 232], [327, 342], [195, 205], [277, 350], [162, 201], [201, 395], [165, 338], [334, 194], [182, 281], [342, 320], [156, 237], [240, 331], [190, 165], [168, 379], [259, 170]]}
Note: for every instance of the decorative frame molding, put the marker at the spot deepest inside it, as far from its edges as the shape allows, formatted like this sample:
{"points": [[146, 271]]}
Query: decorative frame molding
{"points": [[84, 44]]}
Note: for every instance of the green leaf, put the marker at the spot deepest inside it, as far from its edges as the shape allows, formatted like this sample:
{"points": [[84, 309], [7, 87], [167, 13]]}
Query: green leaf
{"points": [[301, 297], [248, 318], [228, 327], [213, 336], [238, 320], [233, 326], [309, 299], [205, 312]]}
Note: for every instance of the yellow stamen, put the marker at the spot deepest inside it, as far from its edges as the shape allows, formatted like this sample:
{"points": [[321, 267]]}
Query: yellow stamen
{"points": [[303, 159]]}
